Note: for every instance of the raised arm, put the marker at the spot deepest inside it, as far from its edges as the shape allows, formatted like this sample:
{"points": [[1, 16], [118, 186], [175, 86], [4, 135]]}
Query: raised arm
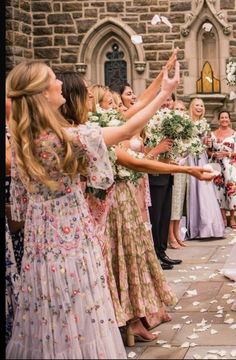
{"points": [[149, 94], [153, 167], [113, 135]]}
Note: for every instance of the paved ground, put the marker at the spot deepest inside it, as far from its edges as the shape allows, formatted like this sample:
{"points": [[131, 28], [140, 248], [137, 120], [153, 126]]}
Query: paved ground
{"points": [[199, 271]]}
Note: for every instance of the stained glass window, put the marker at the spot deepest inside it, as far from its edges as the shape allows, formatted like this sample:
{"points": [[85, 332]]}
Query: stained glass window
{"points": [[207, 82], [115, 68]]}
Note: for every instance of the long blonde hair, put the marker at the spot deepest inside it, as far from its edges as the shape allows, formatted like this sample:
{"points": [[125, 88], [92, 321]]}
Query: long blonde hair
{"points": [[191, 107], [98, 94], [32, 113]]}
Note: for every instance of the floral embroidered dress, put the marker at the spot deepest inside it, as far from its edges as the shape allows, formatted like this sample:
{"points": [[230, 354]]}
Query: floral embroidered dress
{"points": [[65, 310], [12, 279], [227, 178], [136, 280], [142, 191]]}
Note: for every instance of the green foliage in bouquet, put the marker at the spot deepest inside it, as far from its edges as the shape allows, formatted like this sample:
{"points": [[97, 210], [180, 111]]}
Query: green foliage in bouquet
{"points": [[176, 125], [106, 117], [124, 174]]}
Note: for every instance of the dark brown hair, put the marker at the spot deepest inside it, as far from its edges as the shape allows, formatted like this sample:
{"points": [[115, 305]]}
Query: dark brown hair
{"points": [[75, 92], [223, 111], [122, 87]]}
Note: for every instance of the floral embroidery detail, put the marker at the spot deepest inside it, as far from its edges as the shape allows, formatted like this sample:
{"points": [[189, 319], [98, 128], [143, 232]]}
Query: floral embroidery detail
{"points": [[62, 269]]}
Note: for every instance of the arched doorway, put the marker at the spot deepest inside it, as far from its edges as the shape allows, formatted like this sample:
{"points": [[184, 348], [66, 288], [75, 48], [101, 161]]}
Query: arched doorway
{"points": [[99, 43]]}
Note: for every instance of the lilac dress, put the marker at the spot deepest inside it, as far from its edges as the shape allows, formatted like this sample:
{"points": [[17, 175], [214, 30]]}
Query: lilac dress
{"points": [[65, 309], [204, 219]]}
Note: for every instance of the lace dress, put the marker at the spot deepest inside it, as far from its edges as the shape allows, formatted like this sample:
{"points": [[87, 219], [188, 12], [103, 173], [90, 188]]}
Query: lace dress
{"points": [[65, 310], [227, 178]]}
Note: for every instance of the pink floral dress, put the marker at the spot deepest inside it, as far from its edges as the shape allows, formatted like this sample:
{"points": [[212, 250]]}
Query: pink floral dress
{"points": [[65, 310], [227, 178]]}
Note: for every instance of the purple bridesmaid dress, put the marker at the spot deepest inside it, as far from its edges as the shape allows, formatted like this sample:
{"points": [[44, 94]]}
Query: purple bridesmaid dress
{"points": [[204, 219]]}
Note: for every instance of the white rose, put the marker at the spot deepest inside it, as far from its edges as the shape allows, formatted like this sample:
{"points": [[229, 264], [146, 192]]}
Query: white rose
{"points": [[179, 128], [94, 118], [123, 173]]}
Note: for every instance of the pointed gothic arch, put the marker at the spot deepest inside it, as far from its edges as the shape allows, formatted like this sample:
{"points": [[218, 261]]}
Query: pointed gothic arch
{"points": [[217, 15], [194, 46], [99, 40], [208, 48]]}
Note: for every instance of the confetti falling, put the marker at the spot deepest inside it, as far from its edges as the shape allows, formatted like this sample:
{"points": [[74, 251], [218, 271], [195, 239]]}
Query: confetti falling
{"points": [[136, 39], [207, 26]]}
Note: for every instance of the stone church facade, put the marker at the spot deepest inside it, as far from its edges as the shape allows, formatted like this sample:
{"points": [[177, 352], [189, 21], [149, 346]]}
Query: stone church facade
{"points": [[84, 35]]}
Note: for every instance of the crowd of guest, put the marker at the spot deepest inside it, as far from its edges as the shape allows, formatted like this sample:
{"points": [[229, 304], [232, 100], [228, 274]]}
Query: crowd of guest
{"points": [[86, 249]]}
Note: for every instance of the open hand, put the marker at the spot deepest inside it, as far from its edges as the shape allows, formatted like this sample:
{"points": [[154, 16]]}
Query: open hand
{"points": [[202, 173], [168, 85]]}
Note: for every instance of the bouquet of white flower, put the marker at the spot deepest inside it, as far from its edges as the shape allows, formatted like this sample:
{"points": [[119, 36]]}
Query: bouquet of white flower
{"points": [[201, 127], [196, 147], [106, 117], [152, 130], [176, 125], [124, 174], [231, 72], [171, 124]]}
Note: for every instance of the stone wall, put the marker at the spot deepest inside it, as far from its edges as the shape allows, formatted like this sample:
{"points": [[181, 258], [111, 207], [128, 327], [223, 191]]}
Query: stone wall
{"points": [[53, 30], [18, 32]]}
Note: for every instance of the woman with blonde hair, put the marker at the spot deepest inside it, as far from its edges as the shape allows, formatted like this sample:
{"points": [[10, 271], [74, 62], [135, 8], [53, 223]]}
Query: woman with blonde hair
{"points": [[102, 97], [203, 220], [117, 102], [64, 309]]}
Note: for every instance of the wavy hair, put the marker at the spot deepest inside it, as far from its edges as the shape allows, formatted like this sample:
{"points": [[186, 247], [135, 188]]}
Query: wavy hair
{"points": [[98, 93], [75, 110], [31, 114]]}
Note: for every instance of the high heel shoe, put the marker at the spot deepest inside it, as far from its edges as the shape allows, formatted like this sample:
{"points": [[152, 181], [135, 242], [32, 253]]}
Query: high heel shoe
{"points": [[131, 337]]}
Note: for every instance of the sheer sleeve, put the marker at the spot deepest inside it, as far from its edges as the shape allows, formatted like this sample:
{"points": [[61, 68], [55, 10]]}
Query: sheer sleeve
{"points": [[99, 171], [18, 193]]}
